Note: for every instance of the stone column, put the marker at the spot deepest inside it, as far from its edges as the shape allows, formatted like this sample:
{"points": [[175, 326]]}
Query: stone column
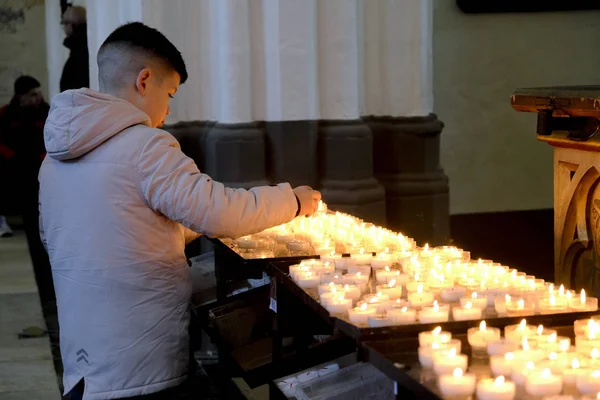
{"points": [[291, 89], [345, 141], [235, 147], [398, 106]]}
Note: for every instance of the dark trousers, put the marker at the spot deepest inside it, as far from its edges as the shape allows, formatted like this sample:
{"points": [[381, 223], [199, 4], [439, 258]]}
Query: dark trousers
{"points": [[45, 284]]}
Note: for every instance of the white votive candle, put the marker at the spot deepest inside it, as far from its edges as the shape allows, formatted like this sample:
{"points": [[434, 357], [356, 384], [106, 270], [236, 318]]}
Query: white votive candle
{"points": [[351, 292], [379, 321], [500, 303], [360, 315], [520, 308], [308, 280], [394, 292], [583, 303], [544, 383], [496, 389], [480, 337], [420, 298], [501, 346], [520, 372], [502, 364], [552, 305], [466, 312], [427, 338], [385, 275], [362, 258], [476, 299], [363, 269], [457, 383], [328, 287], [582, 327], [446, 362], [338, 306], [402, 316], [570, 375], [589, 383], [427, 353], [434, 314], [453, 294], [519, 331]]}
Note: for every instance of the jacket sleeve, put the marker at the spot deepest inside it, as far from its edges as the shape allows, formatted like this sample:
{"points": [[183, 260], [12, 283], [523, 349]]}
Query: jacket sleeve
{"points": [[172, 185]]}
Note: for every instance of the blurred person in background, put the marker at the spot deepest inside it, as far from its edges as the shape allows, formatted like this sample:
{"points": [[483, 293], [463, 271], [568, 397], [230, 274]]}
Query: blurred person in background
{"points": [[21, 154], [76, 70]]}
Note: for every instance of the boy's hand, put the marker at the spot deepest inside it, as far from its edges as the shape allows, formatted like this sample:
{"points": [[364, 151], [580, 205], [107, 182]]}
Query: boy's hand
{"points": [[308, 200]]}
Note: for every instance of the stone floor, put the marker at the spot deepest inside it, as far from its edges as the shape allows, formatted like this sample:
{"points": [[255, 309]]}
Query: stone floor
{"points": [[26, 371]]}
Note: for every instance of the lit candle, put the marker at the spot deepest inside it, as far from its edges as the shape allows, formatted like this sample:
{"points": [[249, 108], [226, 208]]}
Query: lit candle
{"points": [[402, 316], [394, 292], [308, 280], [362, 258], [246, 243], [477, 300], [415, 286], [328, 287], [583, 326], [496, 389], [520, 372], [379, 321], [570, 375], [543, 334], [363, 269], [589, 383], [339, 305], [420, 298], [434, 314], [466, 312], [519, 331], [500, 303], [544, 383], [446, 362], [553, 305], [502, 364], [480, 337], [436, 335], [502, 346], [360, 315], [426, 353], [555, 344], [457, 383], [453, 294], [584, 303], [529, 354], [520, 308]]}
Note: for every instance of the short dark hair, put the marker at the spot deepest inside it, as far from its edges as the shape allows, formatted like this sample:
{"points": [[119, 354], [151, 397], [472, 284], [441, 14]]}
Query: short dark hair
{"points": [[25, 83], [142, 37]]}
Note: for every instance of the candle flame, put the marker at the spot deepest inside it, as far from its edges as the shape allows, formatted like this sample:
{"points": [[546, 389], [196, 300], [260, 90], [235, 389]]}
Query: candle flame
{"points": [[540, 329], [404, 309], [474, 295], [436, 306], [561, 290], [437, 330], [521, 304], [553, 356], [575, 363], [458, 372], [509, 356], [392, 283], [346, 287], [331, 284], [420, 288], [569, 295], [507, 299], [426, 247], [452, 352], [525, 344], [387, 269], [362, 251], [482, 326], [522, 324], [378, 294], [552, 338], [530, 365], [564, 345], [595, 353], [468, 305], [546, 373], [387, 250], [358, 274], [333, 289], [499, 380], [596, 374], [552, 301], [582, 296]]}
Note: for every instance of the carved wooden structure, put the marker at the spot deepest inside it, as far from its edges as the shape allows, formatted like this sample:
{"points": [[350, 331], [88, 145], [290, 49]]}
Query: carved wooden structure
{"points": [[568, 120]]}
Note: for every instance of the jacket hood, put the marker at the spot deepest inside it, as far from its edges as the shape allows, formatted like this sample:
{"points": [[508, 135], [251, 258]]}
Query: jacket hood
{"points": [[80, 120]]}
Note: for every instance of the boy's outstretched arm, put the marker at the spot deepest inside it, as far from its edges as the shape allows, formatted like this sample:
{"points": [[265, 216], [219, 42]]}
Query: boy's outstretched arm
{"points": [[172, 185]]}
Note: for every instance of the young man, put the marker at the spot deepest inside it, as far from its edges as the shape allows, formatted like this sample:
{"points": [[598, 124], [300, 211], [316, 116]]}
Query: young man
{"points": [[118, 201]]}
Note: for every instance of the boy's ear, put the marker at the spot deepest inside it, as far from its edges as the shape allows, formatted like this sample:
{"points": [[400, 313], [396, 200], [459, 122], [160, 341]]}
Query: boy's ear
{"points": [[141, 82]]}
